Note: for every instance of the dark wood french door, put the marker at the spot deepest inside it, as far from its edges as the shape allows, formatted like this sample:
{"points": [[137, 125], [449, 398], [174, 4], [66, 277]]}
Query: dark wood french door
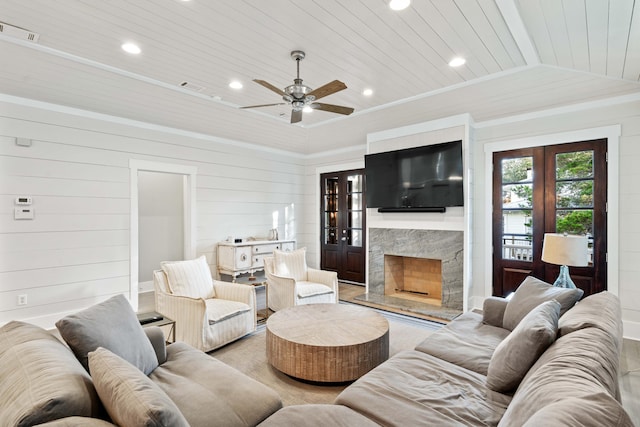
{"points": [[552, 189], [343, 224]]}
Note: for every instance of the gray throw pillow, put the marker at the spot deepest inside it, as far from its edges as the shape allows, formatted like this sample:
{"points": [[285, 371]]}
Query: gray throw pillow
{"points": [[40, 378], [130, 397], [514, 356], [531, 293], [113, 325]]}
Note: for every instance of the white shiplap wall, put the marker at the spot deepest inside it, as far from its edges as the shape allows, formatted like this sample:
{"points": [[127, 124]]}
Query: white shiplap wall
{"points": [[76, 251]]}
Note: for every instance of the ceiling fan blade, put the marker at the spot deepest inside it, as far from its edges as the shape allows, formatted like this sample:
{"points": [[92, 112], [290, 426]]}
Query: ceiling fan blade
{"points": [[296, 116], [332, 108], [270, 87], [264, 105], [328, 89]]}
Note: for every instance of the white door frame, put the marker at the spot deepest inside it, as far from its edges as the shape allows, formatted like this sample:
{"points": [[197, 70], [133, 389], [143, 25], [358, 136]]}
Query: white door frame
{"points": [[189, 197]]}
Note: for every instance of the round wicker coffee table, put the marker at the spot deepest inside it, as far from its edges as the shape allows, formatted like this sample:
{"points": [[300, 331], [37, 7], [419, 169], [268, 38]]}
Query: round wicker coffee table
{"points": [[327, 342]]}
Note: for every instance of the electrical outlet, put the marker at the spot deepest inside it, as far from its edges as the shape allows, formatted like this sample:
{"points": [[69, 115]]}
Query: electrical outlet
{"points": [[22, 299]]}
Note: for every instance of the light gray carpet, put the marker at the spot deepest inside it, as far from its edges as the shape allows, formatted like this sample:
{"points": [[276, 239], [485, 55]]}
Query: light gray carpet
{"points": [[248, 355]]}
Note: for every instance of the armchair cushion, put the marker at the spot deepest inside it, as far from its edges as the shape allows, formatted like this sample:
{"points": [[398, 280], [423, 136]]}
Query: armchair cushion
{"points": [[130, 397], [191, 278], [533, 292], [94, 327], [222, 309], [309, 289], [291, 264]]}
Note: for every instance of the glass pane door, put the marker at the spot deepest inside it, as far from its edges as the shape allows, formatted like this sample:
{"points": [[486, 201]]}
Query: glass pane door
{"points": [[517, 212], [353, 231]]}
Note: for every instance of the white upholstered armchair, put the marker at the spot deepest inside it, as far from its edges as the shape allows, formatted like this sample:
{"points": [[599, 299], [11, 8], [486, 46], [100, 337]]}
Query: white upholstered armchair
{"points": [[291, 282], [206, 316]]}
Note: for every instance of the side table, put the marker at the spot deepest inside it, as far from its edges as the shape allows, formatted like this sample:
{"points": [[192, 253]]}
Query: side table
{"points": [[156, 319]]}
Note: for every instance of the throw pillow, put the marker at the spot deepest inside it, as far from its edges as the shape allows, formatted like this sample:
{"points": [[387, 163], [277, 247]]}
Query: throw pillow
{"points": [[41, 379], [514, 356], [113, 325], [130, 397], [531, 293], [190, 278], [291, 264]]}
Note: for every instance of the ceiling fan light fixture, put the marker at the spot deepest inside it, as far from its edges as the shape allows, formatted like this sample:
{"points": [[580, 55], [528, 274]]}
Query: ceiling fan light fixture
{"points": [[307, 109], [367, 92], [399, 4], [457, 61], [235, 84]]}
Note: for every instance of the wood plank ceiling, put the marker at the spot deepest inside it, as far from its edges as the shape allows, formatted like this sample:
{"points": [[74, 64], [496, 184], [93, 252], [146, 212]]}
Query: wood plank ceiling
{"points": [[401, 56]]}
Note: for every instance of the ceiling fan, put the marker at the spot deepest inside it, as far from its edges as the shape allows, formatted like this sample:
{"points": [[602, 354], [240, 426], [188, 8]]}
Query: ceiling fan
{"points": [[300, 96]]}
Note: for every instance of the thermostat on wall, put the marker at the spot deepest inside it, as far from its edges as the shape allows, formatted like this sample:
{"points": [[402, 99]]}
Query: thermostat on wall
{"points": [[24, 200]]}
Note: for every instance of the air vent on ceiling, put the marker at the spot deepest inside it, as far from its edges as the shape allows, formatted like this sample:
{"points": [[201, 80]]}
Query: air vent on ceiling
{"points": [[18, 33], [192, 86]]}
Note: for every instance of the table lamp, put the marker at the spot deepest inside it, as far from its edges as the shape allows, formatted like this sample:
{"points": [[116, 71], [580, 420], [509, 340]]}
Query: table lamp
{"points": [[565, 251]]}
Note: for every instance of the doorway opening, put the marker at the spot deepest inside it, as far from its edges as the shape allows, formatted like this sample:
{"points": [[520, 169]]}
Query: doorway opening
{"points": [[153, 184]]}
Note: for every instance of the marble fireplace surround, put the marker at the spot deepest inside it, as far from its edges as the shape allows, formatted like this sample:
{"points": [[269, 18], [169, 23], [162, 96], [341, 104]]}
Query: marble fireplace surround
{"points": [[444, 245]]}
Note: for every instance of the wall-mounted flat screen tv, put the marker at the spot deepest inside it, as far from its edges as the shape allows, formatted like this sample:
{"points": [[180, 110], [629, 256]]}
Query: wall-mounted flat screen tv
{"points": [[427, 178]]}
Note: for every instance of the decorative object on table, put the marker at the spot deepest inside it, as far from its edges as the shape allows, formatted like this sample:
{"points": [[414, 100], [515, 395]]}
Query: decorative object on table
{"points": [[273, 234], [565, 250]]}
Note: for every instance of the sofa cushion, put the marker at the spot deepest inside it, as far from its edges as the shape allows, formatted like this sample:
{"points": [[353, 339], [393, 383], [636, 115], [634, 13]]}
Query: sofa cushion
{"points": [[595, 410], [581, 365], [41, 378], [191, 278], [466, 342], [317, 416], [131, 399], [601, 310], [309, 289], [531, 293], [206, 389], [519, 351], [113, 325], [291, 264], [417, 389], [77, 422]]}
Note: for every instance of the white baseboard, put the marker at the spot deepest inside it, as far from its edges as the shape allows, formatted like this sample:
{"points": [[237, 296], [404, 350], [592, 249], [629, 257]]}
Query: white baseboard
{"points": [[631, 330]]}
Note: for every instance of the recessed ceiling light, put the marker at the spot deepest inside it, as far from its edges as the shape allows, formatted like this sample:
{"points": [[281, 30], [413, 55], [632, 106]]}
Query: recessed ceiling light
{"points": [[457, 61], [367, 92], [307, 109], [131, 48], [399, 4], [235, 85]]}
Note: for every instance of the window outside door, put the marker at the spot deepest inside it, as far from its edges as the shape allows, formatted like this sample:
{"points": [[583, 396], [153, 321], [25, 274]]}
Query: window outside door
{"points": [[342, 224], [551, 189]]}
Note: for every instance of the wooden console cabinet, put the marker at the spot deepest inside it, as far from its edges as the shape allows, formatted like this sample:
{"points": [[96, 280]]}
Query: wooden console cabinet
{"points": [[247, 257]]}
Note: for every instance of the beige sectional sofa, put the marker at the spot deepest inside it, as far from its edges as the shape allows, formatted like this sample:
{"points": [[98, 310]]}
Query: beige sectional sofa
{"points": [[136, 379], [535, 360]]}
